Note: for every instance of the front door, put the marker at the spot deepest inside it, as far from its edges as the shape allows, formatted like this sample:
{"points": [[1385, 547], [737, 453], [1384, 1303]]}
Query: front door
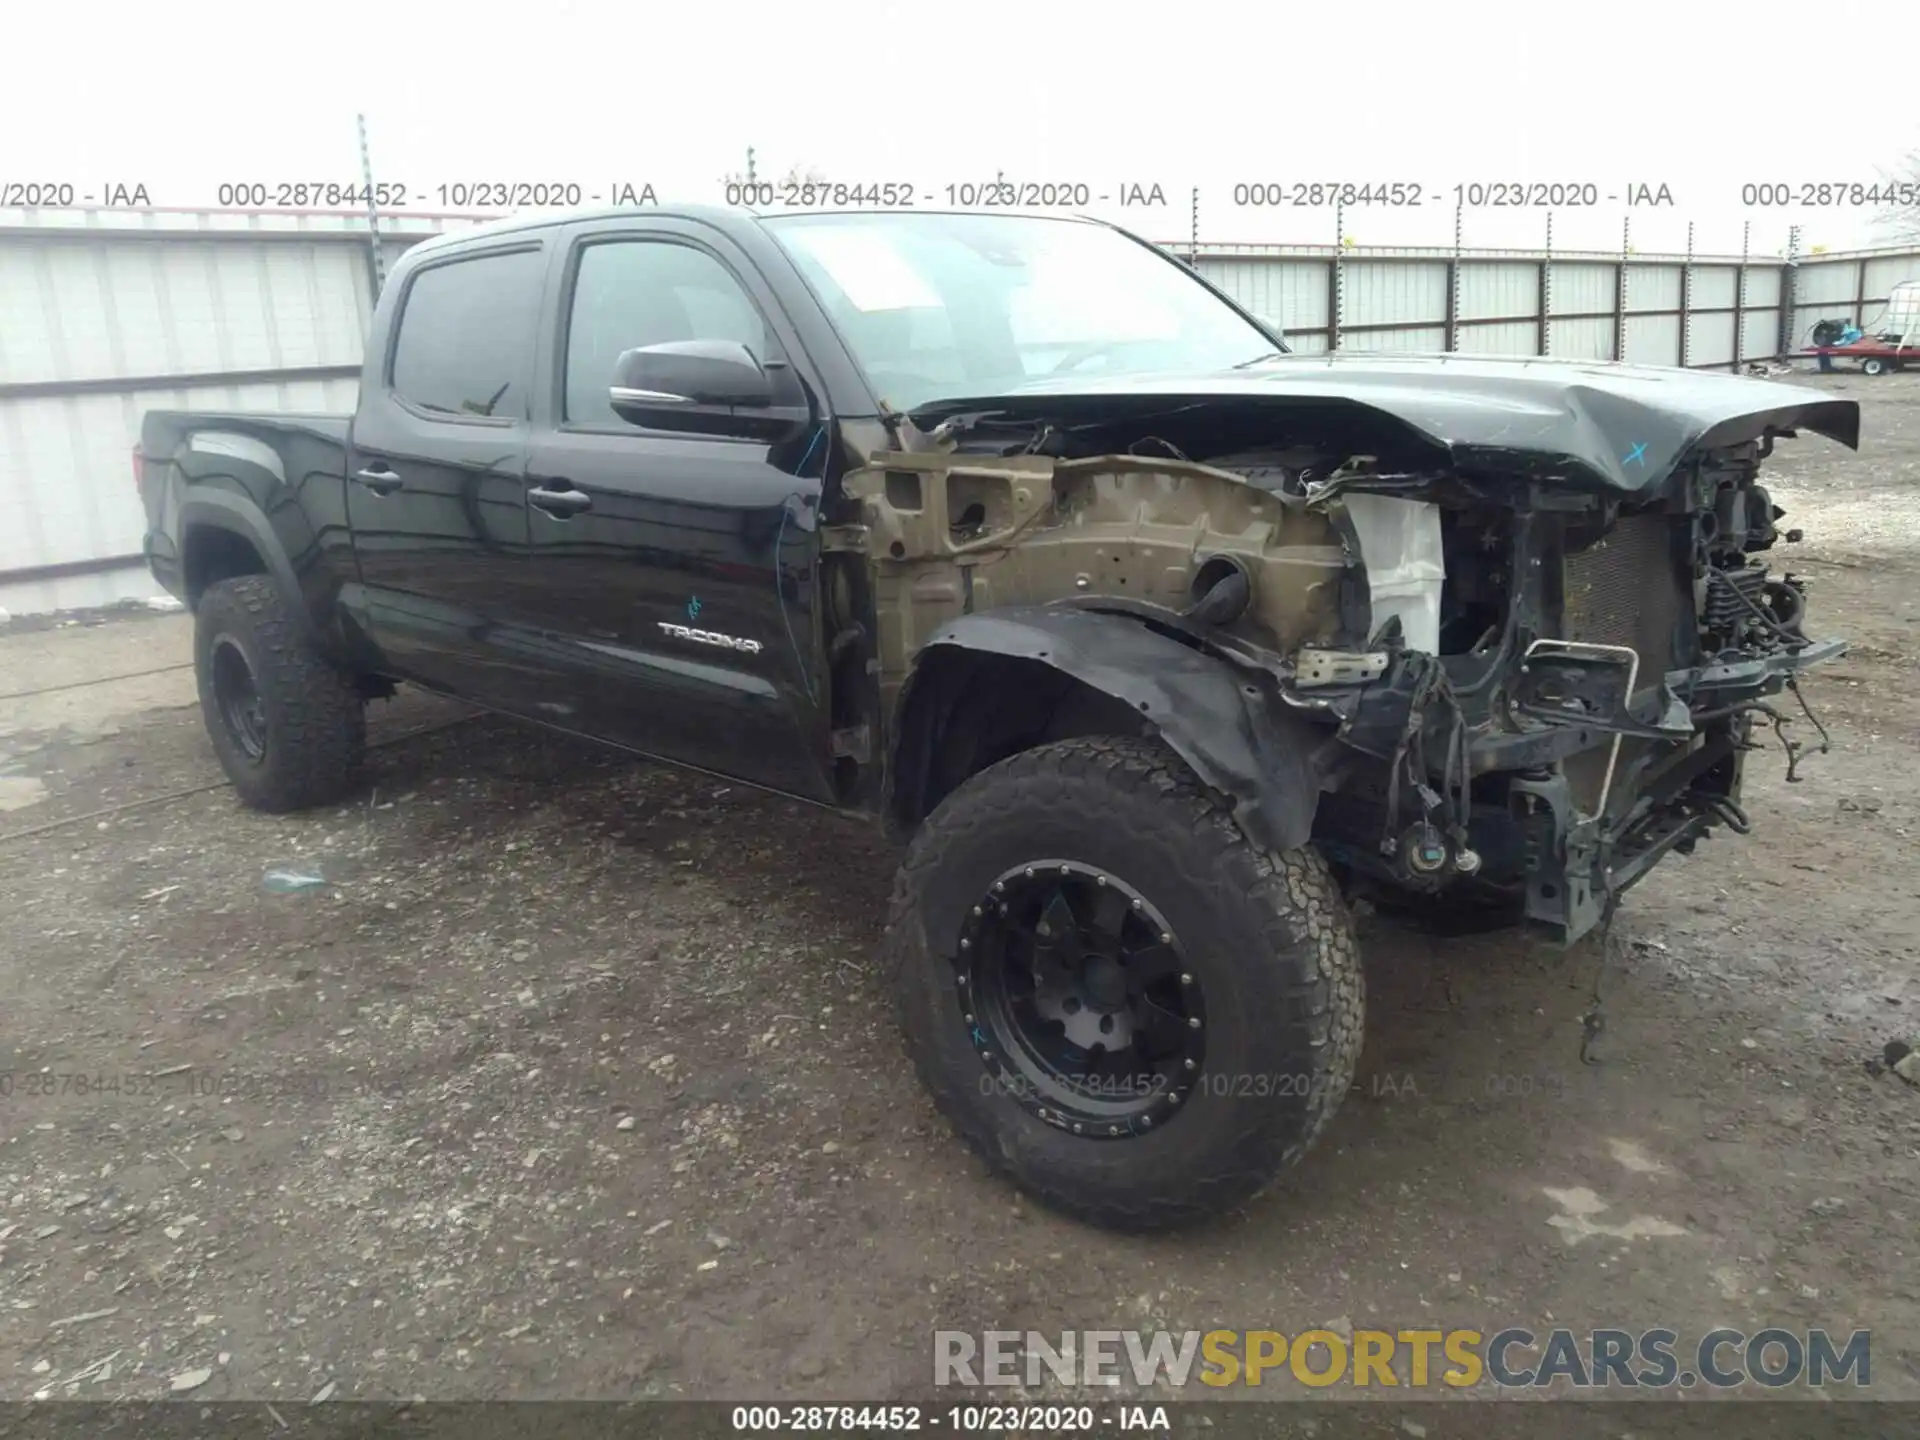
{"points": [[435, 498], [675, 574]]}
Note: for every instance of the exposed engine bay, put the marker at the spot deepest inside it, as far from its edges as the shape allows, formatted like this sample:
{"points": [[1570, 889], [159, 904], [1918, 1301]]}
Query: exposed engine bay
{"points": [[1522, 681]]}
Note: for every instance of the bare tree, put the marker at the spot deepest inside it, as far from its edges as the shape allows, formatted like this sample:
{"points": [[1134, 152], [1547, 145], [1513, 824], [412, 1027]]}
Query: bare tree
{"points": [[796, 176], [1901, 221]]}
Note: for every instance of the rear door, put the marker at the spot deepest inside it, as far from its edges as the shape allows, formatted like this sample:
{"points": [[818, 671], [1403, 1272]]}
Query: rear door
{"points": [[435, 494], [675, 573]]}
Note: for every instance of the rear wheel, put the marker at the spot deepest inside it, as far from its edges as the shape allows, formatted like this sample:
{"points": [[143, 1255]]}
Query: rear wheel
{"points": [[1123, 1005], [287, 724], [1873, 365]]}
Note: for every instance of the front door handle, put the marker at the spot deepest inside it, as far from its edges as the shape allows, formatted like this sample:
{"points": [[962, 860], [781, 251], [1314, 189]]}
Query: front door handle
{"points": [[380, 482], [559, 503]]}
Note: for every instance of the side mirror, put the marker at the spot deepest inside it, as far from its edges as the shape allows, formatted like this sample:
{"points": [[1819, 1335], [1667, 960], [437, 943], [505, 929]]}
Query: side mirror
{"points": [[711, 387]]}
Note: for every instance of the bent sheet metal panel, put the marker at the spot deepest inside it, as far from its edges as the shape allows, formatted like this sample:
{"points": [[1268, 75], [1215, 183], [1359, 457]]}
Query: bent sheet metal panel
{"points": [[1129, 527]]}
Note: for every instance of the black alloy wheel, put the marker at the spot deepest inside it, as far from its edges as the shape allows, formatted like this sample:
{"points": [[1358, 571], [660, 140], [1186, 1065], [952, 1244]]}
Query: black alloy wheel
{"points": [[1115, 998], [287, 723], [238, 701], [1077, 999]]}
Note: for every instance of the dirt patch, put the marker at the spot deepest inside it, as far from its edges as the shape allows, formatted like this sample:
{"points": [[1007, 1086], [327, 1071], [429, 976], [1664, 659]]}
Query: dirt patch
{"points": [[573, 1076]]}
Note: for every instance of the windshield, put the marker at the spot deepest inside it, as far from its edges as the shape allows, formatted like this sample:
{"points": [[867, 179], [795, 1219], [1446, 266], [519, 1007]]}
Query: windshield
{"points": [[936, 307]]}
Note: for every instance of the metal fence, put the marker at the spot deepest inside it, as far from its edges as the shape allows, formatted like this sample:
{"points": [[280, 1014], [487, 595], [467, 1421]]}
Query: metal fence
{"points": [[104, 315], [1708, 311]]}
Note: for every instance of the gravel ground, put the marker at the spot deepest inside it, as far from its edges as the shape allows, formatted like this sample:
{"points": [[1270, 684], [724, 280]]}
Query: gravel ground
{"points": [[575, 1076]]}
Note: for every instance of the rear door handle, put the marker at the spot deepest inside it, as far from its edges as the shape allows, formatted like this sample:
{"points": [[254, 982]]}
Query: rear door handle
{"points": [[559, 503], [380, 482]]}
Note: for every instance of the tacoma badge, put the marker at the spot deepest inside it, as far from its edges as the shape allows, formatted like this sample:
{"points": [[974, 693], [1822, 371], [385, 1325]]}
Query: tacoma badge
{"points": [[711, 637]]}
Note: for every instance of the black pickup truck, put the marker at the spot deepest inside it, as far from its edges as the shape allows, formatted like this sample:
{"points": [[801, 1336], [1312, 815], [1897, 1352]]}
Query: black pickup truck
{"points": [[1153, 642]]}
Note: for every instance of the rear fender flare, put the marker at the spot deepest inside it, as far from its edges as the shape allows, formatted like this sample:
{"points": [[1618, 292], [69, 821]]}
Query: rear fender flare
{"points": [[216, 510], [1223, 719]]}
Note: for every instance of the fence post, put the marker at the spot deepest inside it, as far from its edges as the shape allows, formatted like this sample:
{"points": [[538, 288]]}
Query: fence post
{"points": [[1193, 230], [1740, 294], [1686, 299], [1453, 287], [376, 262], [1789, 295], [1546, 292], [1620, 290], [1336, 279]]}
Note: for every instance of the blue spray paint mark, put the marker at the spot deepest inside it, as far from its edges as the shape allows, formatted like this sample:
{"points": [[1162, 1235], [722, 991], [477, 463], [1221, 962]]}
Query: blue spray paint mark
{"points": [[1637, 454], [693, 608]]}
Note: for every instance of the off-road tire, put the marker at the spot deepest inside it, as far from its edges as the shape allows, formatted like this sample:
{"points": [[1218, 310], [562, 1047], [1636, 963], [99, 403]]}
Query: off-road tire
{"points": [[1269, 935], [315, 721]]}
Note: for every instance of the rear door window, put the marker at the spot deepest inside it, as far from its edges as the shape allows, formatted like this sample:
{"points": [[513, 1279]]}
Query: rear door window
{"points": [[465, 347]]}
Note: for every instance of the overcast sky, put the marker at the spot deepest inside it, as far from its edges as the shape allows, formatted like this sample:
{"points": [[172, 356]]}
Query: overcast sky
{"points": [[1699, 96]]}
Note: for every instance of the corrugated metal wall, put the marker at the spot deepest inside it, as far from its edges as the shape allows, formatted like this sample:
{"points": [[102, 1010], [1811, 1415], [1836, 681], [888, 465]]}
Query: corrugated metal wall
{"points": [[1847, 287], [1665, 310], [105, 315], [107, 318]]}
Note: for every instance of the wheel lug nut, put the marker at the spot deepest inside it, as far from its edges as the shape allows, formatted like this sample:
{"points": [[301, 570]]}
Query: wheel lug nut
{"points": [[1137, 903], [1192, 1065], [965, 944], [976, 910], [1186, 979], [1194, 1023], [1145, 1121], [1166, 938], [1077, 1127], [999, 887], [969, 1019], [1099, 879], [1029, 872], [1113, 1129]]}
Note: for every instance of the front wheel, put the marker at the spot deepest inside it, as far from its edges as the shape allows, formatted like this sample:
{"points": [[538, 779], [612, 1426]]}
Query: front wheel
{"points": [[1113, 996], [1873, 366]]}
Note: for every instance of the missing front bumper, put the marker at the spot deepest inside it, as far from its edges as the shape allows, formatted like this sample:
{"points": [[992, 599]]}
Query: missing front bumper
{"points": [[1579, 804], [1581, 857]]}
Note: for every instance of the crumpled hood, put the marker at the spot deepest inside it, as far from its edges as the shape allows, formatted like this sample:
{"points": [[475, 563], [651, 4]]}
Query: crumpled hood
{"points": [[1592, 424]]}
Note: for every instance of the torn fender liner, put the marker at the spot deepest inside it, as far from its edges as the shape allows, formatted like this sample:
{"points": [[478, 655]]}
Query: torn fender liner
{"points": [[1597, 424], [1241, 744]]}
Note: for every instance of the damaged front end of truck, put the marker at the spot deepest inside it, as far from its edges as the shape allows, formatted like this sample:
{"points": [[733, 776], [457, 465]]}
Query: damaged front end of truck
{"points": [[1494, 632]]}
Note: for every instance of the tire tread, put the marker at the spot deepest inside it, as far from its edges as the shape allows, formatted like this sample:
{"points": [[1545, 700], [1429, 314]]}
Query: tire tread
{"points": [[316, 717], [1302, 914]]}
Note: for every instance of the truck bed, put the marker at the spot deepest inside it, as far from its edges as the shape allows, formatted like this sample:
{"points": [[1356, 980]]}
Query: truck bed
{"points": [[227, 471]]}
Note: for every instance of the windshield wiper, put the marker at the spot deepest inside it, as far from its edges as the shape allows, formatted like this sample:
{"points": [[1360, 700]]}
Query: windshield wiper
{"points": [[1262, 359]]}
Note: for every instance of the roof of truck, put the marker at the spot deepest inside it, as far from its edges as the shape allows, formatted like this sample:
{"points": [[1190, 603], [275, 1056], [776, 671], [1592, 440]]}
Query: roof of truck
{"points": [[720, 216]]}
